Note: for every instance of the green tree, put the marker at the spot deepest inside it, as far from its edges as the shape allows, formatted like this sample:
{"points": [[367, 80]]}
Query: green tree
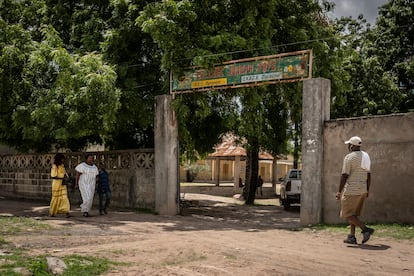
{"points": [[376, 63], [366, 83], [391, 45], [294, 101], [139, 75], [108, 27], [203, 33], [49, 96], [90, 35], [16, 43]]}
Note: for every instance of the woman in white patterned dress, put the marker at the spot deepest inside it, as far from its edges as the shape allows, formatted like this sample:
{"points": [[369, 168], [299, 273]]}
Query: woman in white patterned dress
{"points": [[86, 177]]}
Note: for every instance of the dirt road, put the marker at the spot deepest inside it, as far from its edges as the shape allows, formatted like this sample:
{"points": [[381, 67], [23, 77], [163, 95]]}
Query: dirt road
{"points": [[215, 236]]}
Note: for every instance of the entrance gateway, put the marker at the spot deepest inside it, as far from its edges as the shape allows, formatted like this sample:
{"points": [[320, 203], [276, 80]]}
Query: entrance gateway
{"points": [[251, 72]]}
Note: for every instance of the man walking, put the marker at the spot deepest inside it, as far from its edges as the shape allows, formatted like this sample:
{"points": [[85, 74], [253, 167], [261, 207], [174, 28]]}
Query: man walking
{"points": [[103, 190], [259, 185], [354, 188]]}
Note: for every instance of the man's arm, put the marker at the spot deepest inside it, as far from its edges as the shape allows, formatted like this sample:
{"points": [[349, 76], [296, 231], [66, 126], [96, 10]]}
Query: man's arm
{"points": [[344, 177], [77, 179], [368, 182]]}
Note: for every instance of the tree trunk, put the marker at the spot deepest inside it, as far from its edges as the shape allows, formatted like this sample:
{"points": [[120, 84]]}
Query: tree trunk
{"points": [[189, 176], [252, 172], [296, 146]]}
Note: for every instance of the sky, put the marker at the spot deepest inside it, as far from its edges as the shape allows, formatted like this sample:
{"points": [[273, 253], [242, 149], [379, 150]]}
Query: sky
{"points": [[369, 8]]}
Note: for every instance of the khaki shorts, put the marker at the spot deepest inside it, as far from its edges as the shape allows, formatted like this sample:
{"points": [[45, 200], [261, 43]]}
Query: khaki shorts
{"points": [[351, 205]]}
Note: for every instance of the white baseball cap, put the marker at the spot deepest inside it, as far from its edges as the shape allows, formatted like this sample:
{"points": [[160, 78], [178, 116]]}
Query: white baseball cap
{"points": [[355, 140]]}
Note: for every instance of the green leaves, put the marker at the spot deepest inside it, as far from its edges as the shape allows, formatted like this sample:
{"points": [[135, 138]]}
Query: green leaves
{"points": [[59, 96], [168, 23], [65, 73], [375, 64], [88, 71], [204, 33], [203, 119]]}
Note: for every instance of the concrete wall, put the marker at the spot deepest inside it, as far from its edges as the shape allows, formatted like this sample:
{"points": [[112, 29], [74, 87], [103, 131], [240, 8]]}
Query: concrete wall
{"points": [[389, 140], [229, 191], [131, 175], [136, 180]]}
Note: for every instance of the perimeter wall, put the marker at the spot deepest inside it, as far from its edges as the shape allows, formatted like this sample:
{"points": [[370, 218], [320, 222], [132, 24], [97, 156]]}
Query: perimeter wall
{"points": [[131, 175], [389, 140]]}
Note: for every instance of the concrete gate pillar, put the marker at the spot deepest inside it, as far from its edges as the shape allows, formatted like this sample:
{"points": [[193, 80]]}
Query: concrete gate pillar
{"points": [[166, 157], [315, 110]]}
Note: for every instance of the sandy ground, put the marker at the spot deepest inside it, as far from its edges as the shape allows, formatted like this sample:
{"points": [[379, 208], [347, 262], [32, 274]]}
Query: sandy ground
{"points": [[214, 236]]}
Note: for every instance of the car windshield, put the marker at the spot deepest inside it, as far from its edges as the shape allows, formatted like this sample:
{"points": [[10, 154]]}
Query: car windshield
{"points": [[295, 174]]}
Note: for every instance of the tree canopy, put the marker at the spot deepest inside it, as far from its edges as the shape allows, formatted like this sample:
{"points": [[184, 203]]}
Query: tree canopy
{"points": [[78, 72], [75, 73], [203, 33], [376, 63]]}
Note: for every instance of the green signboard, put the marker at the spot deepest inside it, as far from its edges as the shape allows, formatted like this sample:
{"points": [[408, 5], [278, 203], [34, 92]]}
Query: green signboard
{"points": [[285, 67]]}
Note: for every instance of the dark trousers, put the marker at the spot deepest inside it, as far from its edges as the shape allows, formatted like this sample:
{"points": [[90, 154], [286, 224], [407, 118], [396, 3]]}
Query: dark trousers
{"points": [[259, 190], [103, 206]]}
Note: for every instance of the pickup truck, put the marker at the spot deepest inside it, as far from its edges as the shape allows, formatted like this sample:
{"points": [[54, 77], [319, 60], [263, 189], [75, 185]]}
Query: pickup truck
{"points": [[290, 188]]}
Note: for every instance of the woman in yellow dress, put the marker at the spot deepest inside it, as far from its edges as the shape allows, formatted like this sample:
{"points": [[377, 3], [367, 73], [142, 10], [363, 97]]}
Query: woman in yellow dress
{"points": [[60, 201]]}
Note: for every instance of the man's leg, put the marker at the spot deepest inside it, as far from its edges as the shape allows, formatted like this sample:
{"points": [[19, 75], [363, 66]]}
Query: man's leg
{"points": [[100, 203], [352, 231], [107, 201], [353, 220], [366, 232]]}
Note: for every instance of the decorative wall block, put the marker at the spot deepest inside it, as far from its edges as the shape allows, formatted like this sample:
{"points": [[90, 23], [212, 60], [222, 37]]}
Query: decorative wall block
{"points": [[28, 175]]}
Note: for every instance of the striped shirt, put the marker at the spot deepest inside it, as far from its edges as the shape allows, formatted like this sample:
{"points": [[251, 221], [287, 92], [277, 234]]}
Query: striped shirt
{"points": [[356, 184]]}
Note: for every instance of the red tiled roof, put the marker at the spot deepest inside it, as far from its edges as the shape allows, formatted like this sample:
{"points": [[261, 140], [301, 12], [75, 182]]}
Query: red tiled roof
{"points": [[229, 148]]}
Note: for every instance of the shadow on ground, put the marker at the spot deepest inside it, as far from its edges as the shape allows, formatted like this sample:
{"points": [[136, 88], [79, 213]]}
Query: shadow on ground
{"points": [[203, 213]]}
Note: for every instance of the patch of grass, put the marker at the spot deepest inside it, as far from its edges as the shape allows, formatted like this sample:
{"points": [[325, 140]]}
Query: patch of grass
{"points": [[14, 225], [15, 259], [87, 265], [36, 265], [3, 241], [395, 231], [10, 272]]}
